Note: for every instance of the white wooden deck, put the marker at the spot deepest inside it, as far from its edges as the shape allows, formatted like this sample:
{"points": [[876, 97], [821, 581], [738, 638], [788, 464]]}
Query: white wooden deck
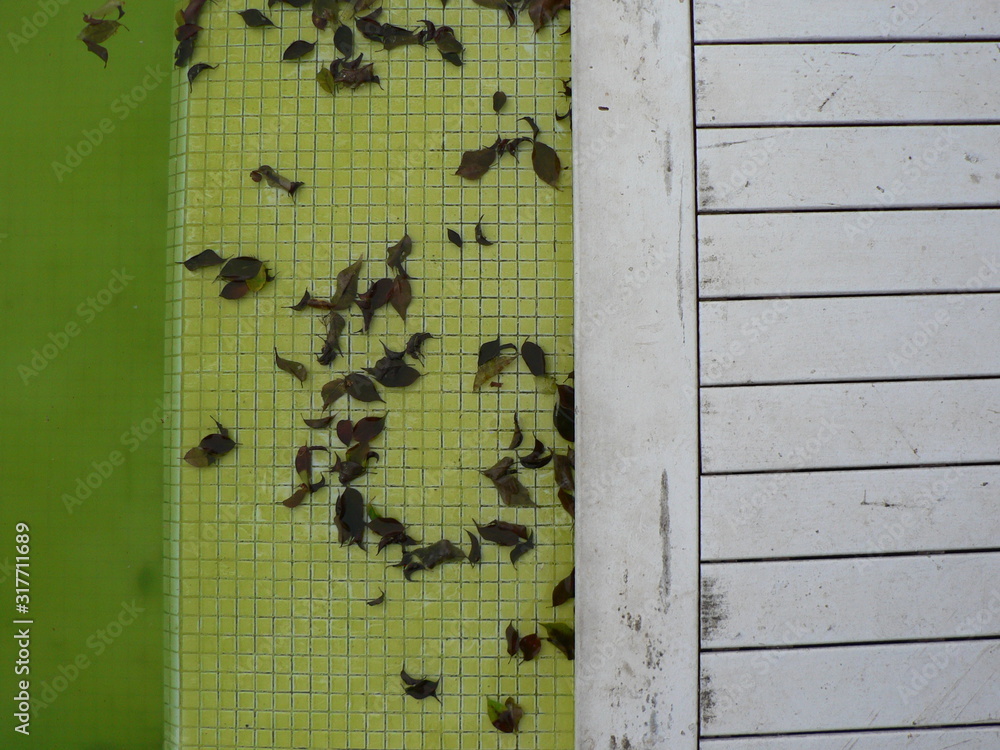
{"points": [[788, 374]]}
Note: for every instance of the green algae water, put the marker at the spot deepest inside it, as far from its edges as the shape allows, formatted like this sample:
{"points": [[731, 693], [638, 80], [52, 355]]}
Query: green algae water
{"points": [[82, 244]]}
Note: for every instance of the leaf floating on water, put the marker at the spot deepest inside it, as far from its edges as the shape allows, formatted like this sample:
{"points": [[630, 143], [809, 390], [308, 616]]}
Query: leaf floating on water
{"points": [[343, 40], [476, 551], [537, 458], [565, 589], [564, 414], [401, 295], [504, 716], [530, 646], [320, 423], [347, 286], [296, 369], [504, 533], [416, 341], [396, 254], [512, 493], [274, 179], [480, 237], [426, 558], [332, 391], [204, 259], [335, 324], [96, 31], [541, 12], [196, 70], [522, 548], [518, 437], [513, 640], [533, 357], [420, 689], [350, 517], [361, 387], [562, 637], [546, 163], [499, 99], [298, 49], [381, 597], [254, 18], [455, 238], [211, 448], [477, 163]]}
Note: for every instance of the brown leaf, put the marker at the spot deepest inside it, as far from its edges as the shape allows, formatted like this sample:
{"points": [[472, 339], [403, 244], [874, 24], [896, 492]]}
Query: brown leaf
{"points": [[476, 163], [546, 163], [499, 99], [204, 259], [296, 369], [541, 12], [491, 369], [319, 423], [480, 237], [533, 357], [347, 286], [401, 295], [298, 49], [333, 391], [518, 437], [565, 589]]}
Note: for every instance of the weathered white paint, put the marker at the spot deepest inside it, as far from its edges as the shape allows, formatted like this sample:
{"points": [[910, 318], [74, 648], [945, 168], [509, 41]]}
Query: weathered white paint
{"points": [[750, 255], [748, 516], [798, 20], [637, 609], [983, 738], [850, 687], [849, 167], [778, 84], [859, 600], [796, 340], [758, 428]]}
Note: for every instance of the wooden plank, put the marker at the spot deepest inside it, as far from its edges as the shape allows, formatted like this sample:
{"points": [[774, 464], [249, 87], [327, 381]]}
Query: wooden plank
{"points": [[783, 427], [778, 84], [750, 516], [637, 614], [784, 20], [848, 338], [752, 169], [850, 688], [756, 255], [855, 600], [982, 738]]}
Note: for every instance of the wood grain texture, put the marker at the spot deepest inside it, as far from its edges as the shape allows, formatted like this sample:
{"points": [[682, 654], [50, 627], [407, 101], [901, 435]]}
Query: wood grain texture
{"points": [[631, 607], [806, 514], [850, 688], [983, 738], [786, 20], [756, 255], [778, 84], [848, 338], [810, 168], [782, 427], [871, 599]]}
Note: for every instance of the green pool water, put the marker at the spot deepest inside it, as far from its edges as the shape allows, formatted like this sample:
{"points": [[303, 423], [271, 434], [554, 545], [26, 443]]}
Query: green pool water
{"points": [[81, 376]]}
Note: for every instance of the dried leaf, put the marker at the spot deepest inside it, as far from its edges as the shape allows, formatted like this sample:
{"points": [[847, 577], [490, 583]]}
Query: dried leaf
{"points": [[420, 689], [480, 237], [396, 254], [533, 357], [455, 238], [503, 533], [350, 517], [504, 716], [298, 49], [522, 548], [513, 640], [563, 469], [426, 558], [562, 637], [499, 99], [416, 341], [564, 414], [401, 295], [541, 12], [254, 18], [182, 55], [530, 646], [343, 40], [323, 12], [296, 498], [345, 431], [196, 70], [204, 259], [235, 290], [361, 387], [381, 597], [476, 553], [347, 286], [211, 448], [535, 130], [568, 502], [267, 172], [331, 343], [537, 458], [476, 163], [491, 369], [512, 493], [320, 423], [377, 296], [100, 51], [198, 457], [546, 163], [565, 589], [333, 391], [297, 369], [369, 428], [518, 437]]}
